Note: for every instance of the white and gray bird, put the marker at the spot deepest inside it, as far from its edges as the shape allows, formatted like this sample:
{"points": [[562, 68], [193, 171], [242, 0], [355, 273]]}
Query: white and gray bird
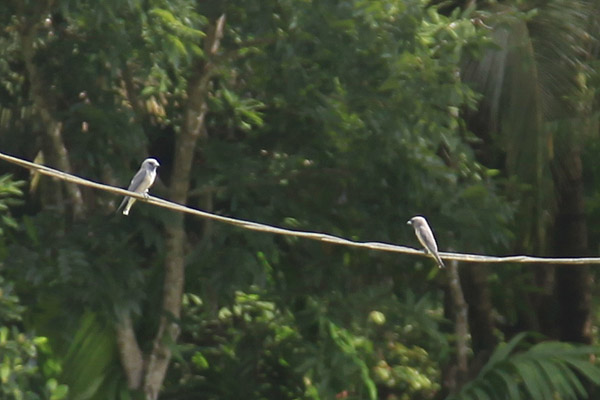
{"points": [[425, 236], [140, 183]]}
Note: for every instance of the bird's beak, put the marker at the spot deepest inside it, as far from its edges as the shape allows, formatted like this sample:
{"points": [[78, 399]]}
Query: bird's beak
{"points": [[409, 222]]}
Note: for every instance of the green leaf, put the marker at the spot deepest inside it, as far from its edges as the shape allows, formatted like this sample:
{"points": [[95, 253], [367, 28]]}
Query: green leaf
{"points": [[502, 352], [531, 380], [60, 392], [572, 379], [480, 394], [544, 371], [512, 386], [200, 361], [589, 370], [3, 334], [555, 376], [4, 371]]}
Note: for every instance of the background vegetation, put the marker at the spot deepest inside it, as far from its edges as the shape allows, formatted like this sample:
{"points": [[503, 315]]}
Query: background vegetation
{"points": [[345, 117]]}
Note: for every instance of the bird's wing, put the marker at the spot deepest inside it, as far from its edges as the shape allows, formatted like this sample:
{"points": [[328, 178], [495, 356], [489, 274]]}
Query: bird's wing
{"points": [[425, 236], [140, 181]]}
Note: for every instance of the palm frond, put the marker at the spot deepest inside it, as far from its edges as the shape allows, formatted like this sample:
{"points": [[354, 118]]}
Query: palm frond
{"points": [[545, 371]]}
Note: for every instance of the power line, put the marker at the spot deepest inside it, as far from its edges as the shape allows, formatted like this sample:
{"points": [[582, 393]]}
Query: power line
{"points": [[322, 237]]}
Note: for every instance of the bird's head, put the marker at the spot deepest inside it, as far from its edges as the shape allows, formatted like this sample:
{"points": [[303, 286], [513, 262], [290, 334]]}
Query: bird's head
{"points": [[416, 221], [150, 163]]}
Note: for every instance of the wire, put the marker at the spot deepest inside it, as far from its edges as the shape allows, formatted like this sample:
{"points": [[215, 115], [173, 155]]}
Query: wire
{"points": [[322, 237]]}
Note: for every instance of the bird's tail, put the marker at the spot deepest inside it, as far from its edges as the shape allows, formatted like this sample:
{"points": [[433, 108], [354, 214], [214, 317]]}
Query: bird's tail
{"points": [[439, 261], [124, 206]]}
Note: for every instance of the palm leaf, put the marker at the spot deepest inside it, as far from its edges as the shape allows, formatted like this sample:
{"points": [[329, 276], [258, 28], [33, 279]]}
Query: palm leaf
{"points": [[529, 79], [572, 379], [555, 375], [91, 356], [544, 371], [502, 352], [512, 385]]}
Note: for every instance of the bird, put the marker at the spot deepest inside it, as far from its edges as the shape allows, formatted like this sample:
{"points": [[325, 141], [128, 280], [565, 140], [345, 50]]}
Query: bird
{"points": [[425, 236], [140, 183]]}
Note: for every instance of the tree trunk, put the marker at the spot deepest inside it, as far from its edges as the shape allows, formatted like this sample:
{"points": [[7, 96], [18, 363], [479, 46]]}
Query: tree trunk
{"points": [[130, 353], [481, 322], [150, 375], [544, 302], [457, 373], [40, 92], [573, 284]]}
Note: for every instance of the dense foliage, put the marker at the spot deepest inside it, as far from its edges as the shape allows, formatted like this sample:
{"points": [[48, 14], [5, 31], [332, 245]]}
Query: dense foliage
{"points": [[345, 117]]}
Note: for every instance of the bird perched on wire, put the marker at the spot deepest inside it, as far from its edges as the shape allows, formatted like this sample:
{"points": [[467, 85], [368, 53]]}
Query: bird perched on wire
{"points": [[140, 183], [425, 236]]}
